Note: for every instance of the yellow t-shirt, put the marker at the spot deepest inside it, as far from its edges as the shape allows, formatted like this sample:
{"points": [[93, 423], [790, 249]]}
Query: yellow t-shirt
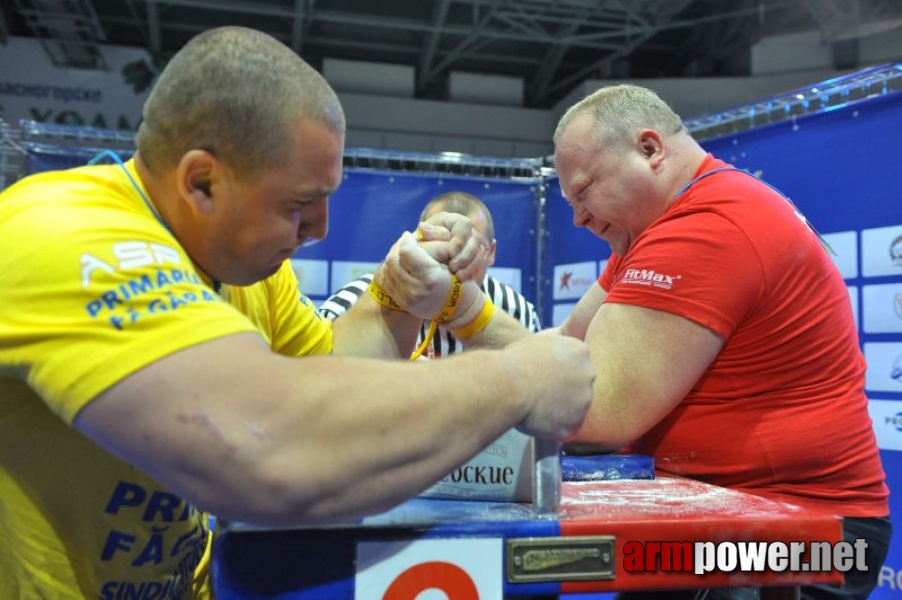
{"points": [[94, 288]]}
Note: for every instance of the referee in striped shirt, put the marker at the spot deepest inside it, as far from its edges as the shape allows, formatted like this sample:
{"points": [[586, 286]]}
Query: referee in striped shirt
{"points": [[503, 296]]}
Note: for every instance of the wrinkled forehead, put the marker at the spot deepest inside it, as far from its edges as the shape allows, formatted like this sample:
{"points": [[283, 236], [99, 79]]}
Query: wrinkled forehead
{"points": [[572, 175], [577, 142]]}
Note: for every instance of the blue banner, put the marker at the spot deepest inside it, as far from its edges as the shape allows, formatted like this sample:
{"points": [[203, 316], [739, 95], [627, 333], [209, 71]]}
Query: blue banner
{"points": [[370, 209]]}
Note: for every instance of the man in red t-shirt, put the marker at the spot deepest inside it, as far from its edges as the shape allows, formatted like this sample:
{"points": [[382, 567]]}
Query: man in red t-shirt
{"points": [[721, 331]]}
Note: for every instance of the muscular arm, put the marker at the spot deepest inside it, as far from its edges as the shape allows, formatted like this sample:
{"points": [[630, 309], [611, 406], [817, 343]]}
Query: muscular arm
{"points": [[577, 322], [647, 361], [370, 330], [502, 329], [253, 436]]}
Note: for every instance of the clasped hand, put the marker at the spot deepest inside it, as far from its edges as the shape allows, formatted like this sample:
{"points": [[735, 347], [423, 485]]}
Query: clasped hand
{"points": [[417, 271]]}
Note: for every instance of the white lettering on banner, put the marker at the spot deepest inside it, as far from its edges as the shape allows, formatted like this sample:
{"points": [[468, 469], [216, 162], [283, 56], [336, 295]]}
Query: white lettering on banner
{"points": [[890, 579], [886, 416], [66, 94], [461, 569], [77, 119], [34, 88]]}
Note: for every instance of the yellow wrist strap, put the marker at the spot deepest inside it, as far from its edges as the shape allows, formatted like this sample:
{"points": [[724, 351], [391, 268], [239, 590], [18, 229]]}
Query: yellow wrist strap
{"points": [[452, 302], [479, 323], [380, 296]]}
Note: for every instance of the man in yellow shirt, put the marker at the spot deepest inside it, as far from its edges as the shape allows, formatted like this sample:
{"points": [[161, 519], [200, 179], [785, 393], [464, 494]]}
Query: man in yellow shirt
{"points": [[150, 329]]}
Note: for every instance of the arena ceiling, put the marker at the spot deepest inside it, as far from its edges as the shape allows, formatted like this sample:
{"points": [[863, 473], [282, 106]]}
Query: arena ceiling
{"points": [[552, 44]]}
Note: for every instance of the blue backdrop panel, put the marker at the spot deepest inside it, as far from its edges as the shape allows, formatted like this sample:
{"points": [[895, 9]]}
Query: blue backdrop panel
{"points": [[371, 208], [833, 165]]}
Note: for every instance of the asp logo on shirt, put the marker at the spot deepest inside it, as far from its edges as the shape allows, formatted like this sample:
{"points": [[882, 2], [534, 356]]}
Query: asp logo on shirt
{"points": [[649, 278]]}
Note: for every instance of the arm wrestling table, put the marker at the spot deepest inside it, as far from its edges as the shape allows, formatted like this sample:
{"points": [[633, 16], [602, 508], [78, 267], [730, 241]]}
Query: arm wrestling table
{"points": [[479, 550]]}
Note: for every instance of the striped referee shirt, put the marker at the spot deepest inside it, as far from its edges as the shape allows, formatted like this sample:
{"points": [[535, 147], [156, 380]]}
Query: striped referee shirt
{"points": [[503, 296]]}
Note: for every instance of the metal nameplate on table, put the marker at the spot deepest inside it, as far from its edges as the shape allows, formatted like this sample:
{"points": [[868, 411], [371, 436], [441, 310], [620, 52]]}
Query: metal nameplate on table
{"points": [[531, 560]]}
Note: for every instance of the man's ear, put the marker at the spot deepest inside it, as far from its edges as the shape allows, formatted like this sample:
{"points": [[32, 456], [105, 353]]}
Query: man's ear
{"points": [[651, 146], [197, 171]]}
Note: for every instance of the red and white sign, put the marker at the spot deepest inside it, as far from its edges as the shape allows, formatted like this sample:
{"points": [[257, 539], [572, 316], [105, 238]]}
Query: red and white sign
{"points": [[429, 569]]}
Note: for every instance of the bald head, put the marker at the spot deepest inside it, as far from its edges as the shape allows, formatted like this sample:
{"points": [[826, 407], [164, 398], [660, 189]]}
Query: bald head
{"points": [[237, 93]]}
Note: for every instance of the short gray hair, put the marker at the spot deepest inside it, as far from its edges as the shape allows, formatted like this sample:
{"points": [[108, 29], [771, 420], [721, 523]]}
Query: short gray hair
{"points": [[620, 111]]}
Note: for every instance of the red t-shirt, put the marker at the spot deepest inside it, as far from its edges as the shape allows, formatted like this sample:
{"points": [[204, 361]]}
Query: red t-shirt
{"points": [[781, 412]]}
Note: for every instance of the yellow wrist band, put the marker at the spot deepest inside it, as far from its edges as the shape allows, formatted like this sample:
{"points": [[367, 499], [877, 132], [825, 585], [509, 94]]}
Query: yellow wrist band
{"points": [[452, 302], [380, 296], [479, 323]]}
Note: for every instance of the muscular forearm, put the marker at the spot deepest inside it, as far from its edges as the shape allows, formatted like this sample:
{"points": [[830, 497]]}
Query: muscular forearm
{"points": [[479, 325], [371, 330], [279, 441], [502, 330], [394, 454]]}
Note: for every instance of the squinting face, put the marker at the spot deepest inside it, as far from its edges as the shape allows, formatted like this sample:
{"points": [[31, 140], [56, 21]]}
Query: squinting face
{"points": [[607, 188], [260, 223]]}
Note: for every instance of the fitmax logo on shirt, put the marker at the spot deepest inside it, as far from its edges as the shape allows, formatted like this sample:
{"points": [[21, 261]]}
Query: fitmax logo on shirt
{"points": [[650, 278]]}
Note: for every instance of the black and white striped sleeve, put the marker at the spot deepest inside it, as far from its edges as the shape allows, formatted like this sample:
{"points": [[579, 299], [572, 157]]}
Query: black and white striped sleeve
{"points": [[506, 298], [338, 303]]}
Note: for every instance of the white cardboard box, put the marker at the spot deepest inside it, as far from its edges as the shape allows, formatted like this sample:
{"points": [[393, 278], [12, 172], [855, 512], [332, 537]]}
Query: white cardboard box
{"points": [[502, 472]]}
